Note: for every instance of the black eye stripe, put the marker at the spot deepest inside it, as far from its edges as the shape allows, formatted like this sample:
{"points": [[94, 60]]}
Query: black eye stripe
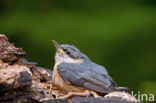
{"points": [[68, 52], [72, 52], [64, 49]]}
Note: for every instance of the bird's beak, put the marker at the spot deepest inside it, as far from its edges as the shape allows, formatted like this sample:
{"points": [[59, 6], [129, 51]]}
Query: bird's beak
{"points": [[58, 47]]}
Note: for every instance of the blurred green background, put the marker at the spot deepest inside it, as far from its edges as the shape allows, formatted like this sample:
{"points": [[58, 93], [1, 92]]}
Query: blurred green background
{"points": [[119, 34]]}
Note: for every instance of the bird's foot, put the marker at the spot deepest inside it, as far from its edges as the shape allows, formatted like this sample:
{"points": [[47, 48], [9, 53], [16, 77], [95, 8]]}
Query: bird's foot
{"points": [[54, 88], [96, 95], [71, 94]]}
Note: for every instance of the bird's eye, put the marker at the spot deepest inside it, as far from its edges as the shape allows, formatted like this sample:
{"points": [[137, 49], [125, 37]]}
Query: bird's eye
{"points": [[64, 49], [68, 53]]}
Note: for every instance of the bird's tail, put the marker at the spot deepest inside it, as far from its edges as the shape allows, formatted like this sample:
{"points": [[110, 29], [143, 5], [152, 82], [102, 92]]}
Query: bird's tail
{"points": [[123, 89]]}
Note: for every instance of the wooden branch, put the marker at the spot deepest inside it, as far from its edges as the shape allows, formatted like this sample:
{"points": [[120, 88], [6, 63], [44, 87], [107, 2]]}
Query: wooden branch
{"points": [[23, 82]]}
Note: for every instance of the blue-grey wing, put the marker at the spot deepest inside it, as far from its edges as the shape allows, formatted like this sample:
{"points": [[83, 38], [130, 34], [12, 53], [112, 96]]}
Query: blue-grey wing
{"points": [[87, 75]]}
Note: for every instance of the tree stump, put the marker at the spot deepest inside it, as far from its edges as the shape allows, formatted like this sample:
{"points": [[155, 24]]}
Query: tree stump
{"points": [[23, 82]]}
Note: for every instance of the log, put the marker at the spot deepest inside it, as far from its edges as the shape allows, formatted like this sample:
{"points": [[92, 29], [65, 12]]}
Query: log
{"points": [[22, 81]]}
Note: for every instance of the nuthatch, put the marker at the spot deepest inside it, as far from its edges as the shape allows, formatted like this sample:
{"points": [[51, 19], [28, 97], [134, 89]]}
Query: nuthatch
{"points": [[76, 75]]}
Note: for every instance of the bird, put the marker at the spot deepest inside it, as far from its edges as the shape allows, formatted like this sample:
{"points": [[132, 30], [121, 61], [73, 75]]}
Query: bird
{"points": [[76, 75]]}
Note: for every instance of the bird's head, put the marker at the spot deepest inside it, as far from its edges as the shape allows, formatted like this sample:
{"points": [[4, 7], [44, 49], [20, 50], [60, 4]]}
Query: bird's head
{"points": [[68, 53]]}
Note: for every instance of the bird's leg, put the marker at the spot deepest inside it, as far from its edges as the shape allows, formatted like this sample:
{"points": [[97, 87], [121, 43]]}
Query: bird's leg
{"points": [[95, 94], [71, 94]]}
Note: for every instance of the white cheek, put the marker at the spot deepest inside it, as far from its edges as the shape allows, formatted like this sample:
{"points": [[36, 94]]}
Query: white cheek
{"points": [[64, 58], [69, 60]]}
